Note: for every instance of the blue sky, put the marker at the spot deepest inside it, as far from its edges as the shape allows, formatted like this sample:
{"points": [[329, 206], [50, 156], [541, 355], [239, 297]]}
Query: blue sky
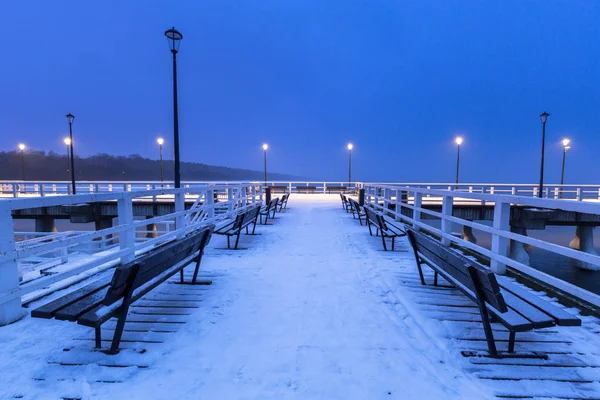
{"points": [[397, 78]]}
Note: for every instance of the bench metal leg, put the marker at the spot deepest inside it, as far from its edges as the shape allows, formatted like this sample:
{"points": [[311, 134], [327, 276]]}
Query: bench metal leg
{"points": [[487, 326], [254, 227], [383, 241], [228, 244], [181, 275], [237, 239], [98, 332], [511, 341], [393, 243], [198, 260], [435, 278]]}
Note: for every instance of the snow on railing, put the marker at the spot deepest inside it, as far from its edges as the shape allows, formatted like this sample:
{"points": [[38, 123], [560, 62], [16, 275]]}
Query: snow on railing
{"points": [[412, 204], [64, 252]]}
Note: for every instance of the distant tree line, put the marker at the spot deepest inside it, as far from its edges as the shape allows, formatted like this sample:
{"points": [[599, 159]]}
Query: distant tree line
{"points": [[51, 166]]}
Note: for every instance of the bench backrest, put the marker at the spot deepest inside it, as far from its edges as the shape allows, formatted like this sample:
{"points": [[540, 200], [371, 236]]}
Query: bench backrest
{"points": [[459, 269], [251, 213], [155, 262], [355, 205], [371, 215]]}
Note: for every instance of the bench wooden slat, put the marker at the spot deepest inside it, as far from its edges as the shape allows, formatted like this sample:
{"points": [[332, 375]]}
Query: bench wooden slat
{"points": [[562, 317], [48, 310], [538, 319], [72, 312]]}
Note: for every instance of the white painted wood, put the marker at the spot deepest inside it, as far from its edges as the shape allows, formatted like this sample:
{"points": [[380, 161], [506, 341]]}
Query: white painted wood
{"points": [[447, 203], [10, 296], [501, 222], [127, 229]]}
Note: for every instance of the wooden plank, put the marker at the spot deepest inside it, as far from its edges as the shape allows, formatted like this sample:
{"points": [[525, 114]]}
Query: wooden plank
{"points": [[72, 312], [553, 361], [48, 310], [518, 372], [562, 317], [538, 319]]}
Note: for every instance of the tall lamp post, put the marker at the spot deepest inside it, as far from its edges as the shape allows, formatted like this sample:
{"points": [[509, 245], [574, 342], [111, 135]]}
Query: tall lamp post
{"points": [[565, 143], [350, 147], [174, 39], [67, 141], [70, 118], [265, 147], [22, 148], [543, 117], [160, 142], [459, 140]]}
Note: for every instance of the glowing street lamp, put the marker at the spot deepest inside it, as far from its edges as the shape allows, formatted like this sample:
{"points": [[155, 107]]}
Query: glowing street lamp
{"points": [[67, 141], [350, 147], [160, 142], [459, 140], [265, 147], [22, 148], [565, 143], [70, 117], [543, 118], [174, 39]]}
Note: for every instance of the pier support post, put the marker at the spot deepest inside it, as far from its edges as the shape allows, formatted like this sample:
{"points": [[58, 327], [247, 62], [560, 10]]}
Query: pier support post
{"points": [[45, 225], [584, 241], [10, 295], [468, 235], [151, 231], [518, 251]]}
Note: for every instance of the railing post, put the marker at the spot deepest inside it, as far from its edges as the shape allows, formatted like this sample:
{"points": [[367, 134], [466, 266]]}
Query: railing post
{"points": [[229, 199], [324, 188], [398, 208], [10, 296], [290, 187], [499, 243], [41, 189], [180, 206], [127, 233], [209, 199], [387, 197], [417, 203], [15, 190], [579, 198], [253, 191], [447, 203]]}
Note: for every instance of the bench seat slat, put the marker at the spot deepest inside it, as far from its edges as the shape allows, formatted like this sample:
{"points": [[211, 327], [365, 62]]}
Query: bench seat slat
{"points": [[538, 319], [562, 317], [72, 312], [48, 310]]}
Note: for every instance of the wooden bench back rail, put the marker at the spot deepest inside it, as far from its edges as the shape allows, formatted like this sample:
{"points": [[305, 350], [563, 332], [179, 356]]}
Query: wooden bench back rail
{"points": [[270, 208], [356, 209], [283, 201]]}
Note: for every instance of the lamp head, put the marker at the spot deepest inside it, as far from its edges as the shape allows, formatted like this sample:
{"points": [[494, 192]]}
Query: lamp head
{"points": [[265, 147], [21, 146], [459, 140], [350, 146], [174, 39], [67, 141], [565, 143], [544, 117], [160, 141], [70, 118]]}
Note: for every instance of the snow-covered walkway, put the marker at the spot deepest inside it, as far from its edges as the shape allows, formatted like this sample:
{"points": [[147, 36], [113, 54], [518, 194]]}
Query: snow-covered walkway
{"points": [[311, 310]]}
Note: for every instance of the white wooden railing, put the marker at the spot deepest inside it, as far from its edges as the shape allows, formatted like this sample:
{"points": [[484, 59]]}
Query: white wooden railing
{"points": [[394, 199], [18, 247]]}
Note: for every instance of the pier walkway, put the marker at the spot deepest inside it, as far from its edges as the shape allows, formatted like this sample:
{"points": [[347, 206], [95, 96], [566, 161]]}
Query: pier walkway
{"points": [[311, 310]]}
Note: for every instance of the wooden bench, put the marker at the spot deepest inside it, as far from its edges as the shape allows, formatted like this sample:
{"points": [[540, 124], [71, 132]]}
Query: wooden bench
{"points": [[268, 209], [278, 189], [345, 203], [357, 210], [242, 220], [507, 303], [283, 201], [383, 228], [336, 189], [306, 189], [111, 296]]}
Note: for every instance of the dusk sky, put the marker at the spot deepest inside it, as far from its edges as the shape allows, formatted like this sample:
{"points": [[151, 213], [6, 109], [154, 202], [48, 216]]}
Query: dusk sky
{"points": [[399, 79]]}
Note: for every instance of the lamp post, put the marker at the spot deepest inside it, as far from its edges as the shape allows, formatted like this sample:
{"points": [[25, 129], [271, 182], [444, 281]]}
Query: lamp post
{"points": [[174, 39], [350, 147], [22, 148], [70, 118], [543, 117], [265, 147], [459, 140], [160, 142], [565, 143], [67, 141]]}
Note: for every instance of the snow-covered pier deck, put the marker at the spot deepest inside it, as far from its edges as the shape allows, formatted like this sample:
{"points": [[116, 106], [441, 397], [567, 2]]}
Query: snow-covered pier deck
{"points": [[313, 309]]}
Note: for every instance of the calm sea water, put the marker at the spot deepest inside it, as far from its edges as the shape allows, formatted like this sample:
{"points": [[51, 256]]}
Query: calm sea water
{"points": [[556, 265]]}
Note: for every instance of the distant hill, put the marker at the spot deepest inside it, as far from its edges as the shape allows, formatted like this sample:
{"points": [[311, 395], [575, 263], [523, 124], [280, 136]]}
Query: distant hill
{"points": [[104, 167]]}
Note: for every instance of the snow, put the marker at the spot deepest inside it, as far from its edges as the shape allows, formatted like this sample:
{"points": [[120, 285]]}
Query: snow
{"points": [[313, 309]]}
